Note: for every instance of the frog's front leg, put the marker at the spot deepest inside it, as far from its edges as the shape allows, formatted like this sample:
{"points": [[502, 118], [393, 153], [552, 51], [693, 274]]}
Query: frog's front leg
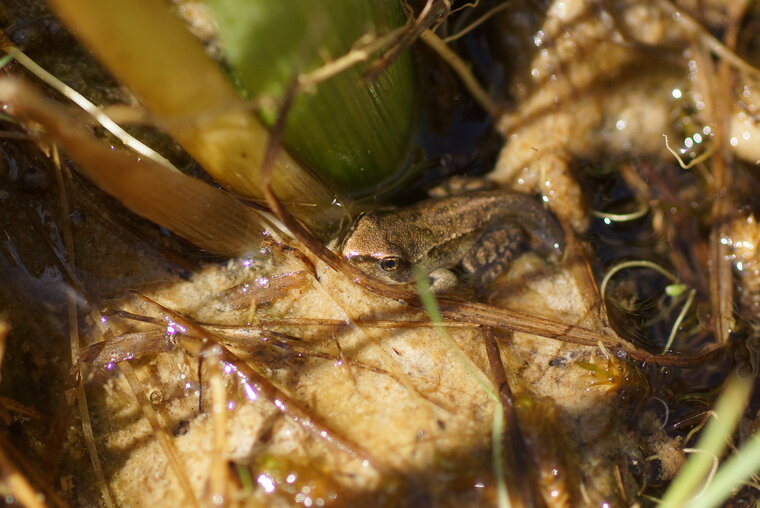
{"points": [[498, 246], [442, 280]]}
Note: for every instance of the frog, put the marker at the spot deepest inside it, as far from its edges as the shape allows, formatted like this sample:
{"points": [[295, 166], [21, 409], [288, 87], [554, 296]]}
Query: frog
{"points": [[477, 232]]}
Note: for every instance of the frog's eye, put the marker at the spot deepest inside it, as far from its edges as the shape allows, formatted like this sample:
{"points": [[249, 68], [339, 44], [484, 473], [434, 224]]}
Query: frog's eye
{"points": [[390, 264]]}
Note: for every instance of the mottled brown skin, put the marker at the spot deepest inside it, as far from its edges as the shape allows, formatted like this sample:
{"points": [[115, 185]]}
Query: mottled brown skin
{"points": [[480, 231]]}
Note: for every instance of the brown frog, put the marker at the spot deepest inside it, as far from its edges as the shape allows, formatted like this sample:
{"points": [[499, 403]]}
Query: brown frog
{"points": [[480, 231]]}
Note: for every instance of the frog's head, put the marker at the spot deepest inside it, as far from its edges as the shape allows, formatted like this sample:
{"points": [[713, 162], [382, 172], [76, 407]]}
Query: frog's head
{"points": [[369, 249]]}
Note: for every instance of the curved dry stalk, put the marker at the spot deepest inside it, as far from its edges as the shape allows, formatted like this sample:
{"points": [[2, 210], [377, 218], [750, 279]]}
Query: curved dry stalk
{"points": [[679, 320], [633, 264], [696, 160], [641, 211]]}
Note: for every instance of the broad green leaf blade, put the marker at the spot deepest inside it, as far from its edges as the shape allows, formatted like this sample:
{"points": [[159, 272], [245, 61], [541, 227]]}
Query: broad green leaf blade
{"points": [[358, 132]]}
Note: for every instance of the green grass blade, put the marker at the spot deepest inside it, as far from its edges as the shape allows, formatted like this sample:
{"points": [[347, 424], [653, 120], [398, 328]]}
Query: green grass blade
{"points": [[732, 474], [497, 424], [712, 443]]}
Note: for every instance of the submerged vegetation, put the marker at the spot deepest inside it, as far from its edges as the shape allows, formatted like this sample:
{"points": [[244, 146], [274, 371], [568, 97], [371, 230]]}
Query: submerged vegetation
{"points": [[220, 352]]}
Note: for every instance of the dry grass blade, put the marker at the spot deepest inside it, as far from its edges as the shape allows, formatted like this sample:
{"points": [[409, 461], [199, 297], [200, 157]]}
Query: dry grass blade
{"points": [[499, 375], [339, 323], [89, 439], [125, 347], [283, 402], [15, 407], [482, 19], [362, 51], [218, 477], [149, 50], [265, 289], [248, 339], [161, 435], [73, 324], [83, 103], [17, 484], [12, 461], [510, 424], [462, 70], [715, 83], [204, 215], [4, 329]]}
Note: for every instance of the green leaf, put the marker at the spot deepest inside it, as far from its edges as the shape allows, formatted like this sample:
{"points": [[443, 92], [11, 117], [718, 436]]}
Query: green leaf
{"points": [[358, 132]]}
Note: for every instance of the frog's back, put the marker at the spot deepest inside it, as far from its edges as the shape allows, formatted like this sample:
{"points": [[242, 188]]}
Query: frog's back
{"points": [[457, 215]]}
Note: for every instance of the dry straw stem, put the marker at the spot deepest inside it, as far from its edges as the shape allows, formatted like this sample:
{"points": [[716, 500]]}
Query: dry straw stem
{"points": [[475, 24], [148, 49], [218, 471], [89, 439], [137, 345], [73, 322], [164, 440], [462, 70], [715, 83], [361, 52], [709, 41]]}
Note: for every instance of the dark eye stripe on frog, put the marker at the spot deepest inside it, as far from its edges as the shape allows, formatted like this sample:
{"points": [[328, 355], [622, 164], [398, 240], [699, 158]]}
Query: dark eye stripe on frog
{"points": [[358, 258]]}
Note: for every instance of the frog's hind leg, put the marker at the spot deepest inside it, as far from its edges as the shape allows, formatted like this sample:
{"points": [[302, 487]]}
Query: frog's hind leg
{"points": [[493, 252]]}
